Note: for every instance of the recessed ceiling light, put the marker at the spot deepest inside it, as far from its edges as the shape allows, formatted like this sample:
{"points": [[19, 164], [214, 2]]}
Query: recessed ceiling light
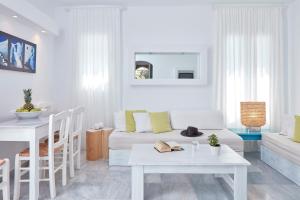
{"points": [[15, 16], [43, 31]]}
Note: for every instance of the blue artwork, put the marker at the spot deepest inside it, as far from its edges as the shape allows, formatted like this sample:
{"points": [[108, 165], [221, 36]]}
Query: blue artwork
{"points": [[29, 57], [17, 54], [3, 50]]}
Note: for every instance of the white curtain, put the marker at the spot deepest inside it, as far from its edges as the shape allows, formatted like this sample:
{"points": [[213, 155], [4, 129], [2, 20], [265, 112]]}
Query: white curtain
{"points": [[96, 62], [248, 61]]}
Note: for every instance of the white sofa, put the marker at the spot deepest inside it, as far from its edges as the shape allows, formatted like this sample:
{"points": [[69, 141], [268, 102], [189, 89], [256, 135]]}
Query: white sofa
{"points": [[208, 122], [282, 154]]}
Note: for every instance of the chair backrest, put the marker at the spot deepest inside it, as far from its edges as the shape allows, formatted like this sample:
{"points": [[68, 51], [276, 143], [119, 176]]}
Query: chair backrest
{"points": [[76, 120], [59, 124]]}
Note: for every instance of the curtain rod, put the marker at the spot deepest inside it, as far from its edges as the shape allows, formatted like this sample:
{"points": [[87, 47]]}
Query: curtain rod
{"points": [[94, 6], [280, 5]]}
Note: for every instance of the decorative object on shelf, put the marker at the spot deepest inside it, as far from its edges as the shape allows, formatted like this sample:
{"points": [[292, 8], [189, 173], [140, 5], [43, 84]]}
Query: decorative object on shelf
{"points": [[215, 147], [143, 70], [253, 115], [17, 54], [28, 111]]}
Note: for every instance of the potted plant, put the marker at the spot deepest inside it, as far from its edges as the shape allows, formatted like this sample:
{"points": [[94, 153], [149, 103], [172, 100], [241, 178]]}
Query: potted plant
{"points": [[215, 147]]}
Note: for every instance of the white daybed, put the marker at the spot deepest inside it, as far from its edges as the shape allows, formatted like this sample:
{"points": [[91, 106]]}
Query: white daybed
{"points": [[282, 154]]}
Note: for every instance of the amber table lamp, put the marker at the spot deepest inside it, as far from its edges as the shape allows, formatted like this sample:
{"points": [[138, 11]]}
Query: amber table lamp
{"points": [[253, 115]]}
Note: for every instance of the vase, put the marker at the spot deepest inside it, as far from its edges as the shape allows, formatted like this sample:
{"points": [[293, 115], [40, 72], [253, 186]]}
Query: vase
{"points": [[215, 150]]}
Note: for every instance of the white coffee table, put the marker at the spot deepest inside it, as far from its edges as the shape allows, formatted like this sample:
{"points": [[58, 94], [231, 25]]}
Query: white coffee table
{"points": [[145, 159]]}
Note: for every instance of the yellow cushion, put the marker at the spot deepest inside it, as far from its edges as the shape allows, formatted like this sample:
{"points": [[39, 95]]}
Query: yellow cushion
{"points": [[130, 123], [296, 137], [160, 122]]}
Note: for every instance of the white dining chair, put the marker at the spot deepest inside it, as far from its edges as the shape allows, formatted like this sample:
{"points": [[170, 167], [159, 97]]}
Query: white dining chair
{"points": [[4, 185], [53, 155], [75, 138]]}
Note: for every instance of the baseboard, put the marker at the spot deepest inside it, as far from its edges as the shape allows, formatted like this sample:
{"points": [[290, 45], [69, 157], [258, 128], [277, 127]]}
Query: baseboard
{"points": [[282, 165]]}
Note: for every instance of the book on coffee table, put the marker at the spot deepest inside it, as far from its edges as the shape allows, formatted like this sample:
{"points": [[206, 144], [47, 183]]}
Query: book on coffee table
{"points": [[169, 146]]}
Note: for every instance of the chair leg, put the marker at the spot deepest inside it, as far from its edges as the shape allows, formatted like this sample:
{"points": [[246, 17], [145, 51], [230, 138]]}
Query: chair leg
{"points": [[6, 189], [52, 179], [17, 178], [42, 171], [79, 152], [71, 156], [64, 169]]}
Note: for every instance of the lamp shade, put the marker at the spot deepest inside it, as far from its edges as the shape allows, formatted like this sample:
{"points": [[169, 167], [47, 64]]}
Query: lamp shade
{"points": [[253, 114]]}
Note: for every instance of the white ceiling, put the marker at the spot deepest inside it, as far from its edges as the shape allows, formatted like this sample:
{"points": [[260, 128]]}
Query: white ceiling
{"points": [[55, 3], [48, 6]]}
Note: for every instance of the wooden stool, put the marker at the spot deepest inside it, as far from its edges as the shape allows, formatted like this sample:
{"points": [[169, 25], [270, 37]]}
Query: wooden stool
{"points": [[97, 144]]}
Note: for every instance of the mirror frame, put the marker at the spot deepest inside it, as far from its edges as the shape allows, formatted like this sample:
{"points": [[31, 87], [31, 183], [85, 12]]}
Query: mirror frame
{"points": [[202, 68]]}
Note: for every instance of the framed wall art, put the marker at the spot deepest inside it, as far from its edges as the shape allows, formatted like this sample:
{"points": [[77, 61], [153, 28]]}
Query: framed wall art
{"points": [[17, 54]]}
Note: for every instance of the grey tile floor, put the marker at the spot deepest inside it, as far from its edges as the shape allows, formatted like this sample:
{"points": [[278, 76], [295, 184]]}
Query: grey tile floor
{"points": [[97, 181]]}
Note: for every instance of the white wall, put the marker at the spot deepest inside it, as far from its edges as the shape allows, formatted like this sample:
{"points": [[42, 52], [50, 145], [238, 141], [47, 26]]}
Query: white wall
{"points": [[148, 26], [294, 52], [142, 26], [63, 79], [12, 83]]}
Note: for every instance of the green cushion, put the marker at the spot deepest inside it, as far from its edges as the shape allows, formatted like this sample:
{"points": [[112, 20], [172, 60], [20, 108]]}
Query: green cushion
{"points": [[296, 137], [160, 122], [130, 123]]}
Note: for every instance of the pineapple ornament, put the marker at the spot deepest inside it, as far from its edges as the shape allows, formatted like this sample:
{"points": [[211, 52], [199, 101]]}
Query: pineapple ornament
{"points": [[27, 98]]}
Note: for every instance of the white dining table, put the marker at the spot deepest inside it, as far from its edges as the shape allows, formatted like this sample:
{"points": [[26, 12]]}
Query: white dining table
{"points": [[31, 131]]}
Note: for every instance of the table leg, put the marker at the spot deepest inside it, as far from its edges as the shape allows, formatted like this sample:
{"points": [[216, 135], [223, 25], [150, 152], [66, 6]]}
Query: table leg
{"points": [[34, 170], [137, 183], [240, 183]]}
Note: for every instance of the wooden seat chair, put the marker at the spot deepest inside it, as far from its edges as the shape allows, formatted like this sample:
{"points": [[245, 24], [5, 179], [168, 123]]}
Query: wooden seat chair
{"points": [[53, 155], [4, 185], [75, 138]]}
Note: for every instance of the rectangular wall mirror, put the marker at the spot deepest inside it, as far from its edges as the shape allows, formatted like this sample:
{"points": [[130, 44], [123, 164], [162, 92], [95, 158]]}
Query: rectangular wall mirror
{"points": [[167, 65]]}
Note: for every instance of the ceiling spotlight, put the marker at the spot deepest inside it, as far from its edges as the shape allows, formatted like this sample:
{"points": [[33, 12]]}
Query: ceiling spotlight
{"points": [[15, 16], [43, 31]]}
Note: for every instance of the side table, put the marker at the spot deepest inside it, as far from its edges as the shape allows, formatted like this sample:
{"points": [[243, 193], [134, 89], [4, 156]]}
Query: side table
{"points": [[251, 138], [97, 144]]}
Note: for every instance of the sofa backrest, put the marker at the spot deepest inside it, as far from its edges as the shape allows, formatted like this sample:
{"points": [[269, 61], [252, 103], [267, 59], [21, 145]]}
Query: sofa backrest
{"points": [[198, 118]]}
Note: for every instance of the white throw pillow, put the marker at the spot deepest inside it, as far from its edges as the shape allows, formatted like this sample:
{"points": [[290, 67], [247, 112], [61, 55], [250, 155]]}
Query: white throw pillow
{"points": [[288, 125], [142, 122], [120, 121]]}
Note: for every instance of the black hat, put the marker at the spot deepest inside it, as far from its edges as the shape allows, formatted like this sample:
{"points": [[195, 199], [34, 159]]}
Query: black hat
{"points": [[191, 132]]}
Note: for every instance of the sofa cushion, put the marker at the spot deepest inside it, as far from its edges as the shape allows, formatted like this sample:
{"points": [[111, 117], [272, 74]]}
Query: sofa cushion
{"points": [[121, 140], [296, 136], [142, 122], [282, 145], [130, 123], [119, 121], [200, 119], [160, 122], [288, 125]]}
